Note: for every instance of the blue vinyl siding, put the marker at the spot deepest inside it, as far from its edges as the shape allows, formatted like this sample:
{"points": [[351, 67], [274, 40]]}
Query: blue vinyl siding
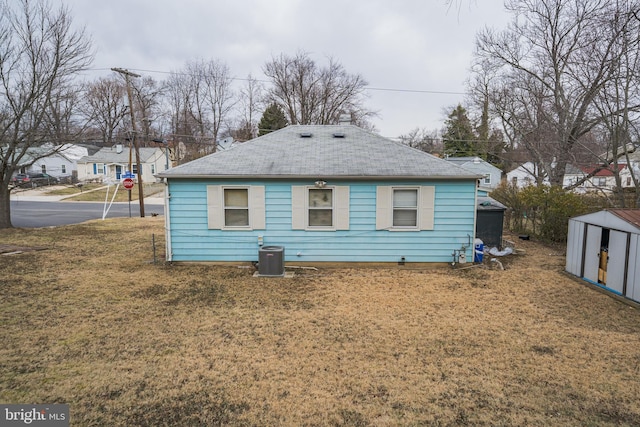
{"points": [[191, 240]]}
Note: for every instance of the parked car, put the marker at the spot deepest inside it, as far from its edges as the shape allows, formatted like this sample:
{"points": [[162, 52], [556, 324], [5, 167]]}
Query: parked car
{"points": [[20, 180], [33, 180], [39, 179]]}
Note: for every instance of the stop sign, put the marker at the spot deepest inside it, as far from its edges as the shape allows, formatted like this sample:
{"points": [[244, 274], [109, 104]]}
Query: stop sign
{"points": [[128, 183]]}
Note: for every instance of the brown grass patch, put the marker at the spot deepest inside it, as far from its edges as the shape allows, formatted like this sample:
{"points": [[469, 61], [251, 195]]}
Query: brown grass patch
{"points": [[93, 323]]}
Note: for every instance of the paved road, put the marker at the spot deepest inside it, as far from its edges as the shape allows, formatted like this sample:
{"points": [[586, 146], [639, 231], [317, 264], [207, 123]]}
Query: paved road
{"points": [[31, 214]]}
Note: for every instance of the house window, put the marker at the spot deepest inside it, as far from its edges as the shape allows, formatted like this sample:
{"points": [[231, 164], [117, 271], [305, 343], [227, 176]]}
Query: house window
{"points": [[135, 169], [64, 168], [236, 207], [601, 182], [487, 179], [44, 168], [153, 168], [628, 181], [100, 168], [320, 209], [405, 207], [320, 213]]}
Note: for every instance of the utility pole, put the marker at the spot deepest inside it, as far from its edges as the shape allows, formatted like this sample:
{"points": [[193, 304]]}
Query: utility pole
{"points": [[127, 75]]}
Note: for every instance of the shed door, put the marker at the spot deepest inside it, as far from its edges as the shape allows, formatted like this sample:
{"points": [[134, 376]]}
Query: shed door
{"points": [[592, 253], [618, 250]]}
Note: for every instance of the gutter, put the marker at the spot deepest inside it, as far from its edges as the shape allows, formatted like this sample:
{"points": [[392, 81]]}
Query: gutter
{"points": [[336, 177]]}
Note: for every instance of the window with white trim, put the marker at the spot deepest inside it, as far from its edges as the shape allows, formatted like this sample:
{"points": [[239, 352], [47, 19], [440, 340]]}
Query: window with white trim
{"points": [[487, 178], [405, 207], [320, 208], [236, 207]]}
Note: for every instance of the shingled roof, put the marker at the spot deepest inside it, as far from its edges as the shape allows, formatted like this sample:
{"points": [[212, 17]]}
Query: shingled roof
{"points": [[320, 151]]}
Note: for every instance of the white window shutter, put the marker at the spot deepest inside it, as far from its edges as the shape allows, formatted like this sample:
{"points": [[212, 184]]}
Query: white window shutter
{"points": [[298, 197], [427, 207], [342, 207], [384, 207], [257, 208], [215, 216]]}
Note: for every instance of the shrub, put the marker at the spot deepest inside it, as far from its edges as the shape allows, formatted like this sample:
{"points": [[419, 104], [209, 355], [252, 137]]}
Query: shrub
{"points": [[543, 211]]}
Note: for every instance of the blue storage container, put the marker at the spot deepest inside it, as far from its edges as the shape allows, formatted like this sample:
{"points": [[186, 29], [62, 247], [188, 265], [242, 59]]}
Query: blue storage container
{"points": [[478, 253]]}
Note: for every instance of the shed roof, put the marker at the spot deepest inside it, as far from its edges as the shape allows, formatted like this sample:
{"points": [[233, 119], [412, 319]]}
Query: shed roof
{"points": [[618, 219], [486, 203], [320, 151], [630, 215]]}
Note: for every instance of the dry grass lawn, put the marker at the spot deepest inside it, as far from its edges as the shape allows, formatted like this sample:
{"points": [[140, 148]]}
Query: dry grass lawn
{"points": [[91, 322]]}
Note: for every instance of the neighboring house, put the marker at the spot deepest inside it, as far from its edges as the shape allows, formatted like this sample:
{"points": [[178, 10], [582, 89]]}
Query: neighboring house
{"points": [[600, 179], [323, 193], [111, 162], [491, 175], [573, 175], [60, 161], [525, 175], [633, 166]]}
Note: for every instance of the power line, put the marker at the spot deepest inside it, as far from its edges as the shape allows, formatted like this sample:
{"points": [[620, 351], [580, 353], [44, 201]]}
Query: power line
{"points": [[380, 89]]}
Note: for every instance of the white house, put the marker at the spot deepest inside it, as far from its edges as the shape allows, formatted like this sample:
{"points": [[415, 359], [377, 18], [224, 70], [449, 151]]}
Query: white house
{"points": [[491, 175], [60, 162], [111, 162], [525, 175]]}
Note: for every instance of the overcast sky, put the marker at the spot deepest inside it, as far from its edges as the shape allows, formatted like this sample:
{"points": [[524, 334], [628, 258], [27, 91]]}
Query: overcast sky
{"points": [[406, 45]]}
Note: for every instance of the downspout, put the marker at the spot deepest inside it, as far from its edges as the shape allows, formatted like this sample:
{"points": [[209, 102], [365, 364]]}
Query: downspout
{"points": [[475, 219], [167, 222]]}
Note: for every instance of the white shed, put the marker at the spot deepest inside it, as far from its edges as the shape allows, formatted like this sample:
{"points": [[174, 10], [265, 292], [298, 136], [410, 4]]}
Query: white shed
{"points": [[603, 248]]}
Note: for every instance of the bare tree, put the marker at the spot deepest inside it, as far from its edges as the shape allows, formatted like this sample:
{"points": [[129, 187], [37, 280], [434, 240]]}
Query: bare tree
{"points": [[250, 105], [147, 93], [39, 52], [424, 140], [218, 96], [105, 106], [202, 100], [618, 101], [309, 94], [552, 63]]}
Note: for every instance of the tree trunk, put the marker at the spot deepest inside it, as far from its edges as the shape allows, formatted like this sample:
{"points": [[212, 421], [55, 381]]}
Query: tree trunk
{"points": [[5, 208]]}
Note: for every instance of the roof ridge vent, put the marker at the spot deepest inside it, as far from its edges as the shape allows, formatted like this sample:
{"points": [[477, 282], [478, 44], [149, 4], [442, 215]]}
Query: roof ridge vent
{"points": [[306, 134]]}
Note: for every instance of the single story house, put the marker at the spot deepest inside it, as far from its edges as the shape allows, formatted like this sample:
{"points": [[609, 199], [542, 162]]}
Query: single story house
{"points": [[58, 161], [526, 174], [603, 248], [110, 163], [491, 175], [331, 193]]}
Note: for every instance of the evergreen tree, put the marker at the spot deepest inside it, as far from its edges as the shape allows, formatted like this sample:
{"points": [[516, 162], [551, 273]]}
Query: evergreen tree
{"points": [[272, 119], [458, 137]]}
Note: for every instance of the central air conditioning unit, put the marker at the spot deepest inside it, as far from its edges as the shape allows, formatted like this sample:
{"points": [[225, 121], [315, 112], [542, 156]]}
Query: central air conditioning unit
{"points": [[271, 261]]}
